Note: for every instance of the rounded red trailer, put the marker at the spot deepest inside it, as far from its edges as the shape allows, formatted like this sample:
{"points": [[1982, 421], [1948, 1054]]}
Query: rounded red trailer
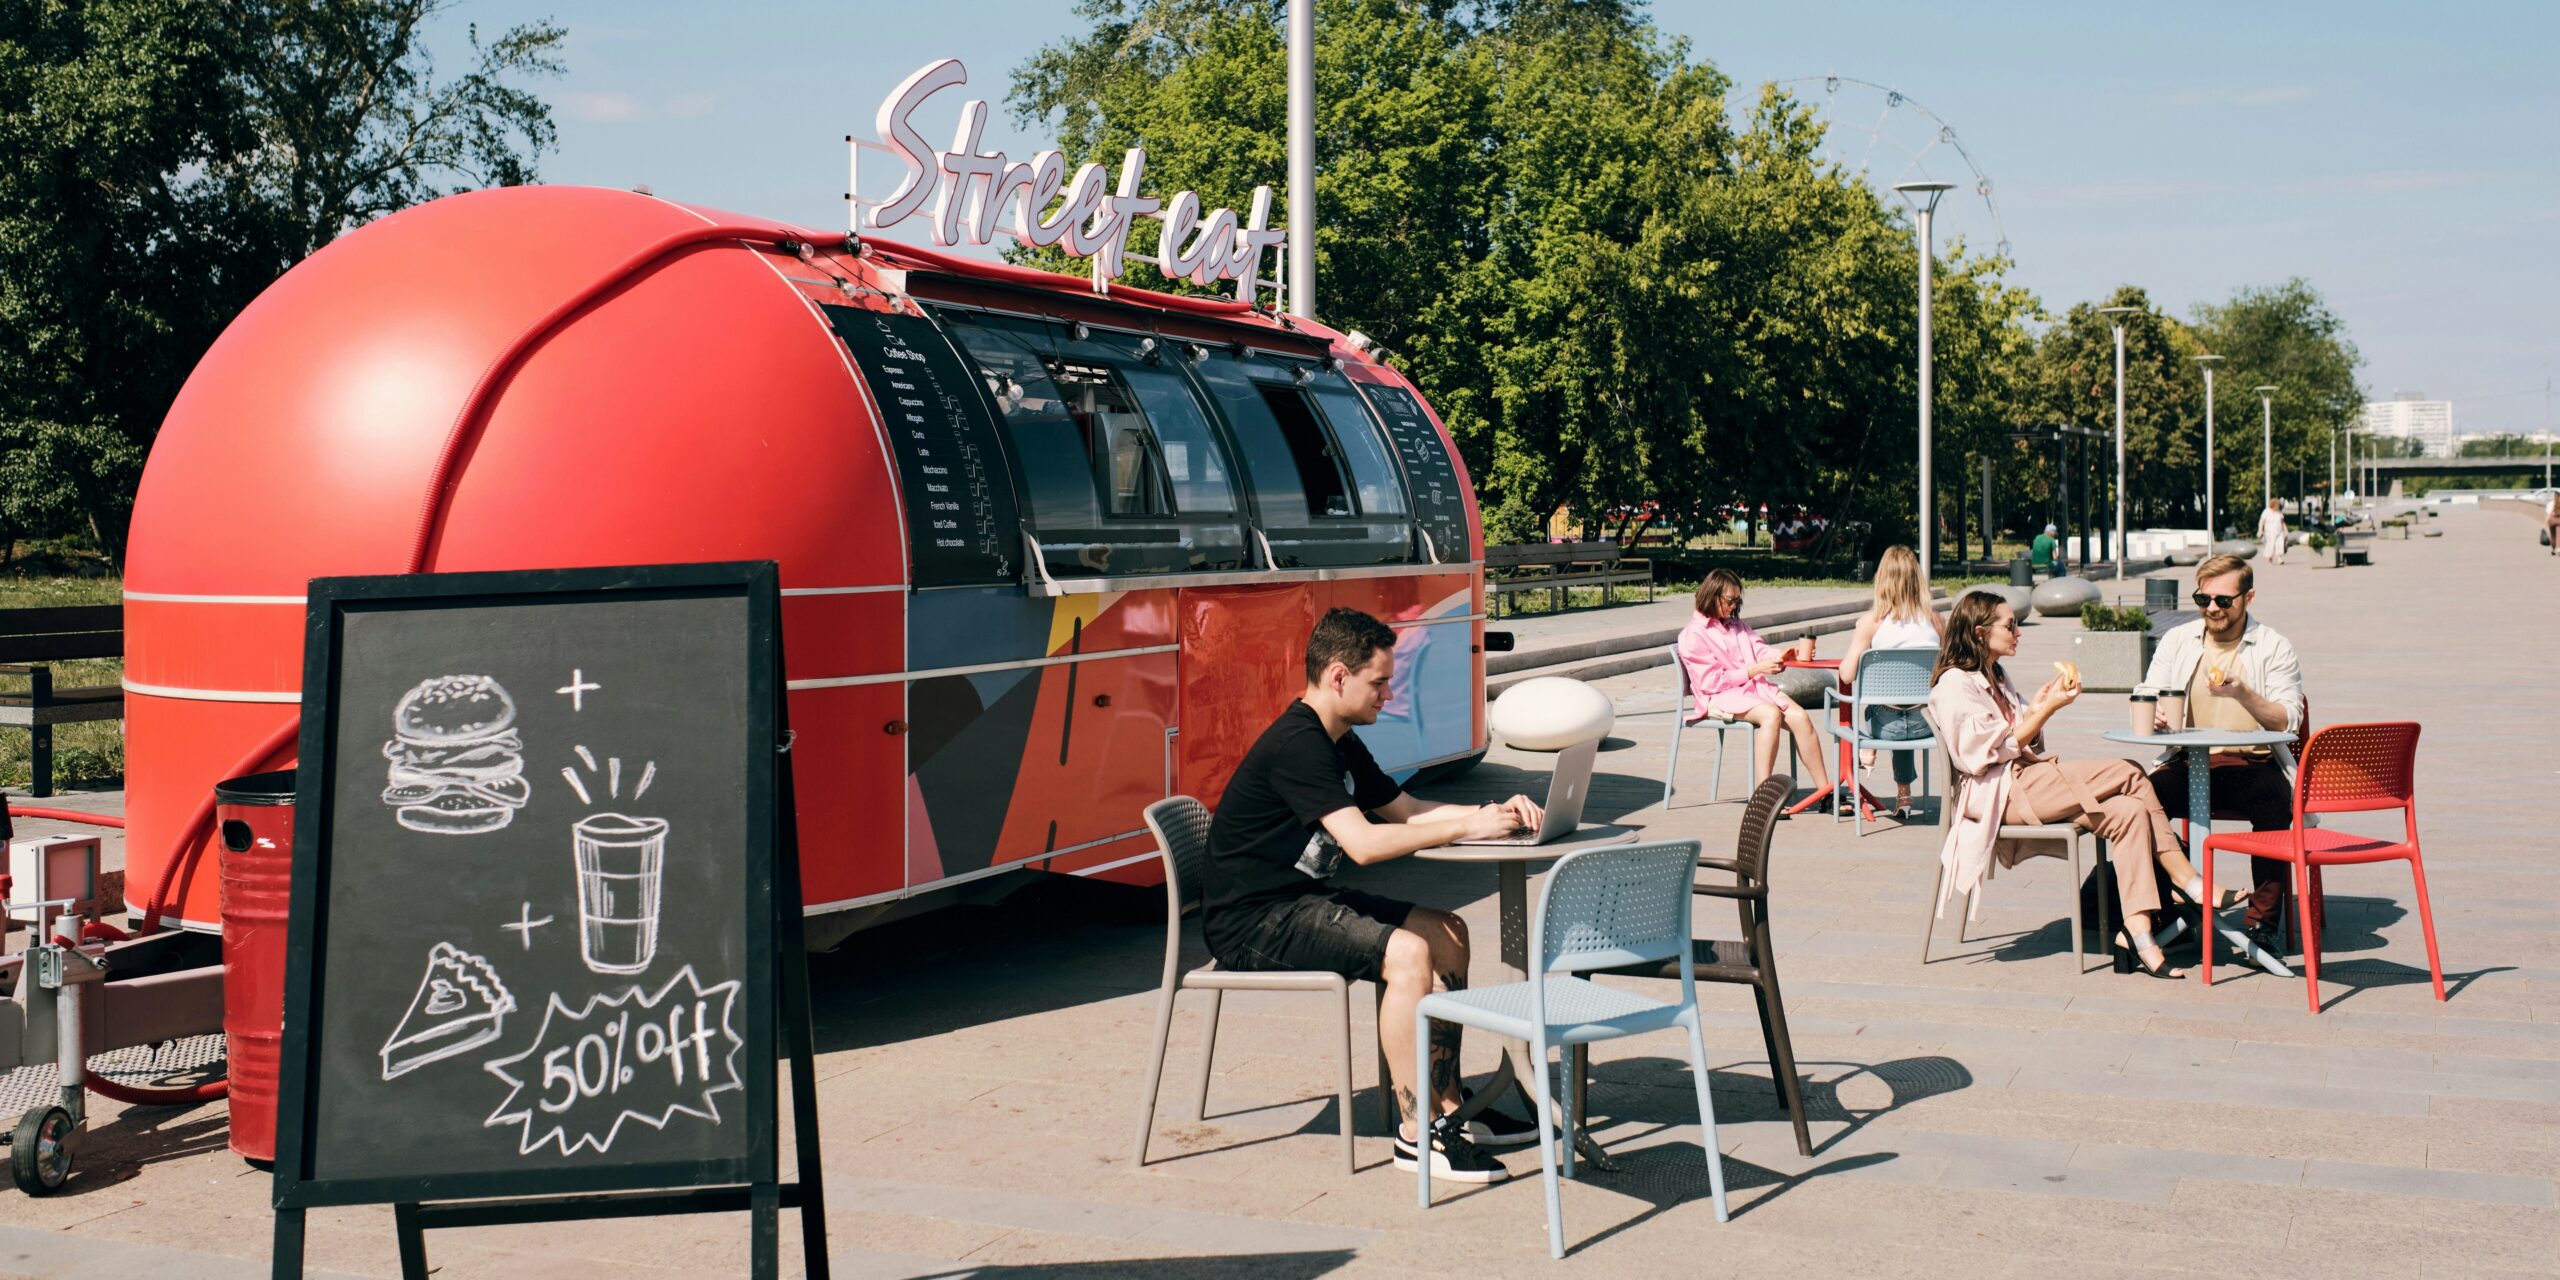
{"points": [[1047, 555]]}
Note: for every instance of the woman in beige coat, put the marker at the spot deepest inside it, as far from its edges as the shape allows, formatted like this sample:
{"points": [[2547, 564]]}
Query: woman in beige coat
{"points": [[1994, 739]]}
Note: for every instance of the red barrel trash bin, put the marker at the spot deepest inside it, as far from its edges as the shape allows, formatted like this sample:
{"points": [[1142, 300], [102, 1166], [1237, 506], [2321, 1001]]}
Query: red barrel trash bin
{"points": [[255, 817]]}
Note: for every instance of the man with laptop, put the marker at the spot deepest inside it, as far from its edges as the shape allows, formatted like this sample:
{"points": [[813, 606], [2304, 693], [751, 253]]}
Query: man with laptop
{"points": [[1308, 796]]}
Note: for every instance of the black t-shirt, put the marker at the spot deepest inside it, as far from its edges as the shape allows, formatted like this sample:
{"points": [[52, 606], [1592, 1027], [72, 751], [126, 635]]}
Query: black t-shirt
{"points": [[1268, 843]]}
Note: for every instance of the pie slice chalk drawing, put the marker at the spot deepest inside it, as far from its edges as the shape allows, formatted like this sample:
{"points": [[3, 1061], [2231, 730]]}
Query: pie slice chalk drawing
{"points": [[460, 1005]]}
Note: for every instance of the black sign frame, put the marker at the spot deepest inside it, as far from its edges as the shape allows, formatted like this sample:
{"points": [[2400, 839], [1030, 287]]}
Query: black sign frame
{"points": [[775, 994]]}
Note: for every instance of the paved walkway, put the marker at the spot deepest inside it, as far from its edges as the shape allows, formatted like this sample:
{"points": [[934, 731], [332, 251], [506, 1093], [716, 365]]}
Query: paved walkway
{"points": [[1991, 1114]]}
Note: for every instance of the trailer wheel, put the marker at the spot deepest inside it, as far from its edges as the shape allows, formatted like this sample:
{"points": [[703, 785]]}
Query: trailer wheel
{"points": [[40, 1152]]}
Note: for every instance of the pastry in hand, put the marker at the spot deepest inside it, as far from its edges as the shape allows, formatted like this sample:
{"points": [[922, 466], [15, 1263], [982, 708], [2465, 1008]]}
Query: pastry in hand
{"points": [[2068, 673], [2213, 675]]}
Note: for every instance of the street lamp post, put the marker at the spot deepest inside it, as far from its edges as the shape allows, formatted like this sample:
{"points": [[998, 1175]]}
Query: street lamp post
{"points": [[2211, 530], [2267, 438], [2115, 320], [1924, 201], [1302, 158]]}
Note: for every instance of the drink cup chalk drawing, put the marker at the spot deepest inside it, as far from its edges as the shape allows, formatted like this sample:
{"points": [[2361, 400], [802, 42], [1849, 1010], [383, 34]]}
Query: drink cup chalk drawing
{"points": [[632, 1056], [621, 861], [460, 1005], [456, 763]]}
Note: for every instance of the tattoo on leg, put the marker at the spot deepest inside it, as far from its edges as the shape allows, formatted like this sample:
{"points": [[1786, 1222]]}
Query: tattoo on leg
{"points": [[1404, 1103], [1444, 1043]]}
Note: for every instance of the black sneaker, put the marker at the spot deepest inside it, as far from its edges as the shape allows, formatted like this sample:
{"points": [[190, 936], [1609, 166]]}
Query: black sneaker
{"points": [[1496, 1131], [1453, 1156]]}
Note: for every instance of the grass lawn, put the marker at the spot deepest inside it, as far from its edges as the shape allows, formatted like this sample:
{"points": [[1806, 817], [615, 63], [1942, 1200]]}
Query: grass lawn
{"points": [[86, 755]]}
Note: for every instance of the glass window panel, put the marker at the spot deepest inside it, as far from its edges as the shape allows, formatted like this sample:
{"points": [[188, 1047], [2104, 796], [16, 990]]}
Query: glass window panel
{"points": [[1194, 462], [1311, 447], [1372, 469]]}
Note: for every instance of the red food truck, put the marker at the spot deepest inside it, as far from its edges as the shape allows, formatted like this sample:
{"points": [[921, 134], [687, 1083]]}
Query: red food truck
{"points": [[1048, 552]]}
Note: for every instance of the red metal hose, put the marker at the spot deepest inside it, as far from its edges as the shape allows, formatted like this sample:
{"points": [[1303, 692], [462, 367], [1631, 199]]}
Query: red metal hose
{"points": [[466, 422]]}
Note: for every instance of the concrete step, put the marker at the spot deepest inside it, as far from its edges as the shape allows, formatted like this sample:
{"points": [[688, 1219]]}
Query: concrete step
{"points": [[1618, 655], [1573, 651]]}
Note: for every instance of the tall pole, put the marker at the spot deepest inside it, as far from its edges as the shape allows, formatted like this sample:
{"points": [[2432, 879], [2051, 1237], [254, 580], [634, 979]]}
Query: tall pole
{"points": [[1302, 158], [1924, 199], [2329, 496], [2267, 436], [2211, 530], [2115, 319]]}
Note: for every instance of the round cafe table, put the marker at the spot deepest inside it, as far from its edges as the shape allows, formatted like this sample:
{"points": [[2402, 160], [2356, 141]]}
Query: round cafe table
{"points": [[2200, 745], [1511, 868], [1846, 770]]}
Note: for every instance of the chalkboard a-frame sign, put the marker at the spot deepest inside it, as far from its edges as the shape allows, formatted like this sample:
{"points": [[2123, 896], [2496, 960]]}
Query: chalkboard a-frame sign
{"points": [[544, 953]]}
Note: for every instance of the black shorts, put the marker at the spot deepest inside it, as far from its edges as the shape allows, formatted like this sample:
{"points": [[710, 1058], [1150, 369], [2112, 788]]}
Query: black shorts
{"points": [[1340, 931]]}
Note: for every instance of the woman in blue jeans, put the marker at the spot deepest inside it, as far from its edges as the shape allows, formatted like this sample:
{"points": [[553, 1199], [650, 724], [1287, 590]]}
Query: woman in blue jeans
{"points": [[1900, 618]]}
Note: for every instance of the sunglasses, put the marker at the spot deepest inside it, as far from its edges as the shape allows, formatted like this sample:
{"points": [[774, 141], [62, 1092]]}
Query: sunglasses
{"points": [[2216, 602], [2011, 625]]}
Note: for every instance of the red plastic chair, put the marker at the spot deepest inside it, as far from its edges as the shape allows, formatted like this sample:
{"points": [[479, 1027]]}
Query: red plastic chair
{"points": [[2346, 768]]}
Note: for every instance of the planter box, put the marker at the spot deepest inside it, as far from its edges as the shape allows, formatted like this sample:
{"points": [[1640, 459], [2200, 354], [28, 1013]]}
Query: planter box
{"points": [[2111, 661]]}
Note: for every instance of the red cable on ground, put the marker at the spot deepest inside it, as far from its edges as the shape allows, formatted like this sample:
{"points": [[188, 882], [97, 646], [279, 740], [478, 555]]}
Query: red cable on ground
{"points": [[66, 815], [139, 1096]]}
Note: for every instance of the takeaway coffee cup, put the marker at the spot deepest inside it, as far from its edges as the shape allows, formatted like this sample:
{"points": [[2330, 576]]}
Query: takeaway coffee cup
{"points": [[2173, 709], [2144, 706], [620, 870]]}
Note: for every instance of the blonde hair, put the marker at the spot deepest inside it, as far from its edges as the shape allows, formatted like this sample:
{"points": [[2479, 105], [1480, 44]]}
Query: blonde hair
{"points": [[1898, 590], [2216, 566]]}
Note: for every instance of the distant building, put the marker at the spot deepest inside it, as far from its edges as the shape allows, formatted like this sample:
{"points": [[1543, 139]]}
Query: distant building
{"points": [[2409, 415]]}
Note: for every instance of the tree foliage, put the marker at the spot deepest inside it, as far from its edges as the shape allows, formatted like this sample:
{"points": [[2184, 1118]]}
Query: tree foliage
{"points": [[173, 157]]}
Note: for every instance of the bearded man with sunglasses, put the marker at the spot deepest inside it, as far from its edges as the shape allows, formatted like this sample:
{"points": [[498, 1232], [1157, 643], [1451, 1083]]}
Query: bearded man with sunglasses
{"points": [[2237, 673]]}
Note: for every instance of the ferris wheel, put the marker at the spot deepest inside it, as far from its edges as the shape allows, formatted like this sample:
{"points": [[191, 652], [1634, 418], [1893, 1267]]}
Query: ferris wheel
{"points": [[1881, 134]]}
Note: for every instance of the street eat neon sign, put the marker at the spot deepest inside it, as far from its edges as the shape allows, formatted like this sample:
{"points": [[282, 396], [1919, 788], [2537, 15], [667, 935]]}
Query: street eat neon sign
{"points": [[970, 195]]}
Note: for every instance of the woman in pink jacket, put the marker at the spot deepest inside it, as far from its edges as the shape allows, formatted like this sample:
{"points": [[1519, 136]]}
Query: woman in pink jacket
{"points": [[1995, 741], [1729, 665]]}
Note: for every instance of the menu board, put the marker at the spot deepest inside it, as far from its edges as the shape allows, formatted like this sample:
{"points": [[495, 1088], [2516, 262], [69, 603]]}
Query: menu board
{"points": [[1439, 509], [544, 937], [962, 527]]}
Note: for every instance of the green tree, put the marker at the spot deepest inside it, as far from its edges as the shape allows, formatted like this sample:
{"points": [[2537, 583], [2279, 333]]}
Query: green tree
{"points": [[170, 160], [2285, 336], [2503, 445]]}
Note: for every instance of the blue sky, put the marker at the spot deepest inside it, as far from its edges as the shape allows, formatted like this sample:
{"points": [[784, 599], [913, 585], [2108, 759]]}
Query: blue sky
{"points": [[2400, 158]]}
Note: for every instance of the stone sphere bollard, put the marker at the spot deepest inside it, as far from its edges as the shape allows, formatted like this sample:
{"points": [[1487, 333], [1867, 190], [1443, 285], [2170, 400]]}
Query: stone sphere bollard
{"points": [[2021, 600], [1805, 685], [2244, 548], [2062, 597]]}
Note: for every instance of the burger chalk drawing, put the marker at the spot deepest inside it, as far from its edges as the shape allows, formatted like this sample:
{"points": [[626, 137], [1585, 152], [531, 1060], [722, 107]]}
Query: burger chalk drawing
{"points": [[457, 766]]}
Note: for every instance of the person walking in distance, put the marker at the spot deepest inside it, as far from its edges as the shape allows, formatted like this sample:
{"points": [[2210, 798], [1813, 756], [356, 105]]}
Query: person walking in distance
{"points": [[1307, 799], [2271, 532]]}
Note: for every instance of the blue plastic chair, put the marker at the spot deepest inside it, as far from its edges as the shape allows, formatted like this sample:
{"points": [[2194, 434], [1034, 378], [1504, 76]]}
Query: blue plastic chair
{"points": [[1604, 907], [1885, 678], [1683, 705]]}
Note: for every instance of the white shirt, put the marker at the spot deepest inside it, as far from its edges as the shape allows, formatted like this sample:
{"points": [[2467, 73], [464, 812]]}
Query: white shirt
{"points": [[2268, 666]]}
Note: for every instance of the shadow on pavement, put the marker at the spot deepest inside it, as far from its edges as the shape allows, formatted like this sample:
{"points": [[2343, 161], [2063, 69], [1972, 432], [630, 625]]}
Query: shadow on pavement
{"points": [[1057, 943], [1234, 1266], [1632, 1099], [117, 1152]]}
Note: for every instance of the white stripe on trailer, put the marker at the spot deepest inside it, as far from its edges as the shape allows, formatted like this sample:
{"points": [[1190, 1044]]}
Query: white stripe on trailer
{"points": [[210, 695]]}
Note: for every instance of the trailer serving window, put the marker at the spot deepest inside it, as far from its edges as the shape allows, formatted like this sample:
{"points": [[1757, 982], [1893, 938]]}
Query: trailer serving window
{"points": [[1326, 491], [1124, 471]]}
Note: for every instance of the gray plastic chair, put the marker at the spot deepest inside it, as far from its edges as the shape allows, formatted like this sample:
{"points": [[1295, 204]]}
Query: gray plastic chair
{"points": [[1181, 827], [1681, 706], [1884, 678], [1604, 907]]}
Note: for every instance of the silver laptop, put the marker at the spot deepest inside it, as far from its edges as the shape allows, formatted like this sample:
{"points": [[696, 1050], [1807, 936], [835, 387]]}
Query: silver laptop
{"points": [[1566, 788]]}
